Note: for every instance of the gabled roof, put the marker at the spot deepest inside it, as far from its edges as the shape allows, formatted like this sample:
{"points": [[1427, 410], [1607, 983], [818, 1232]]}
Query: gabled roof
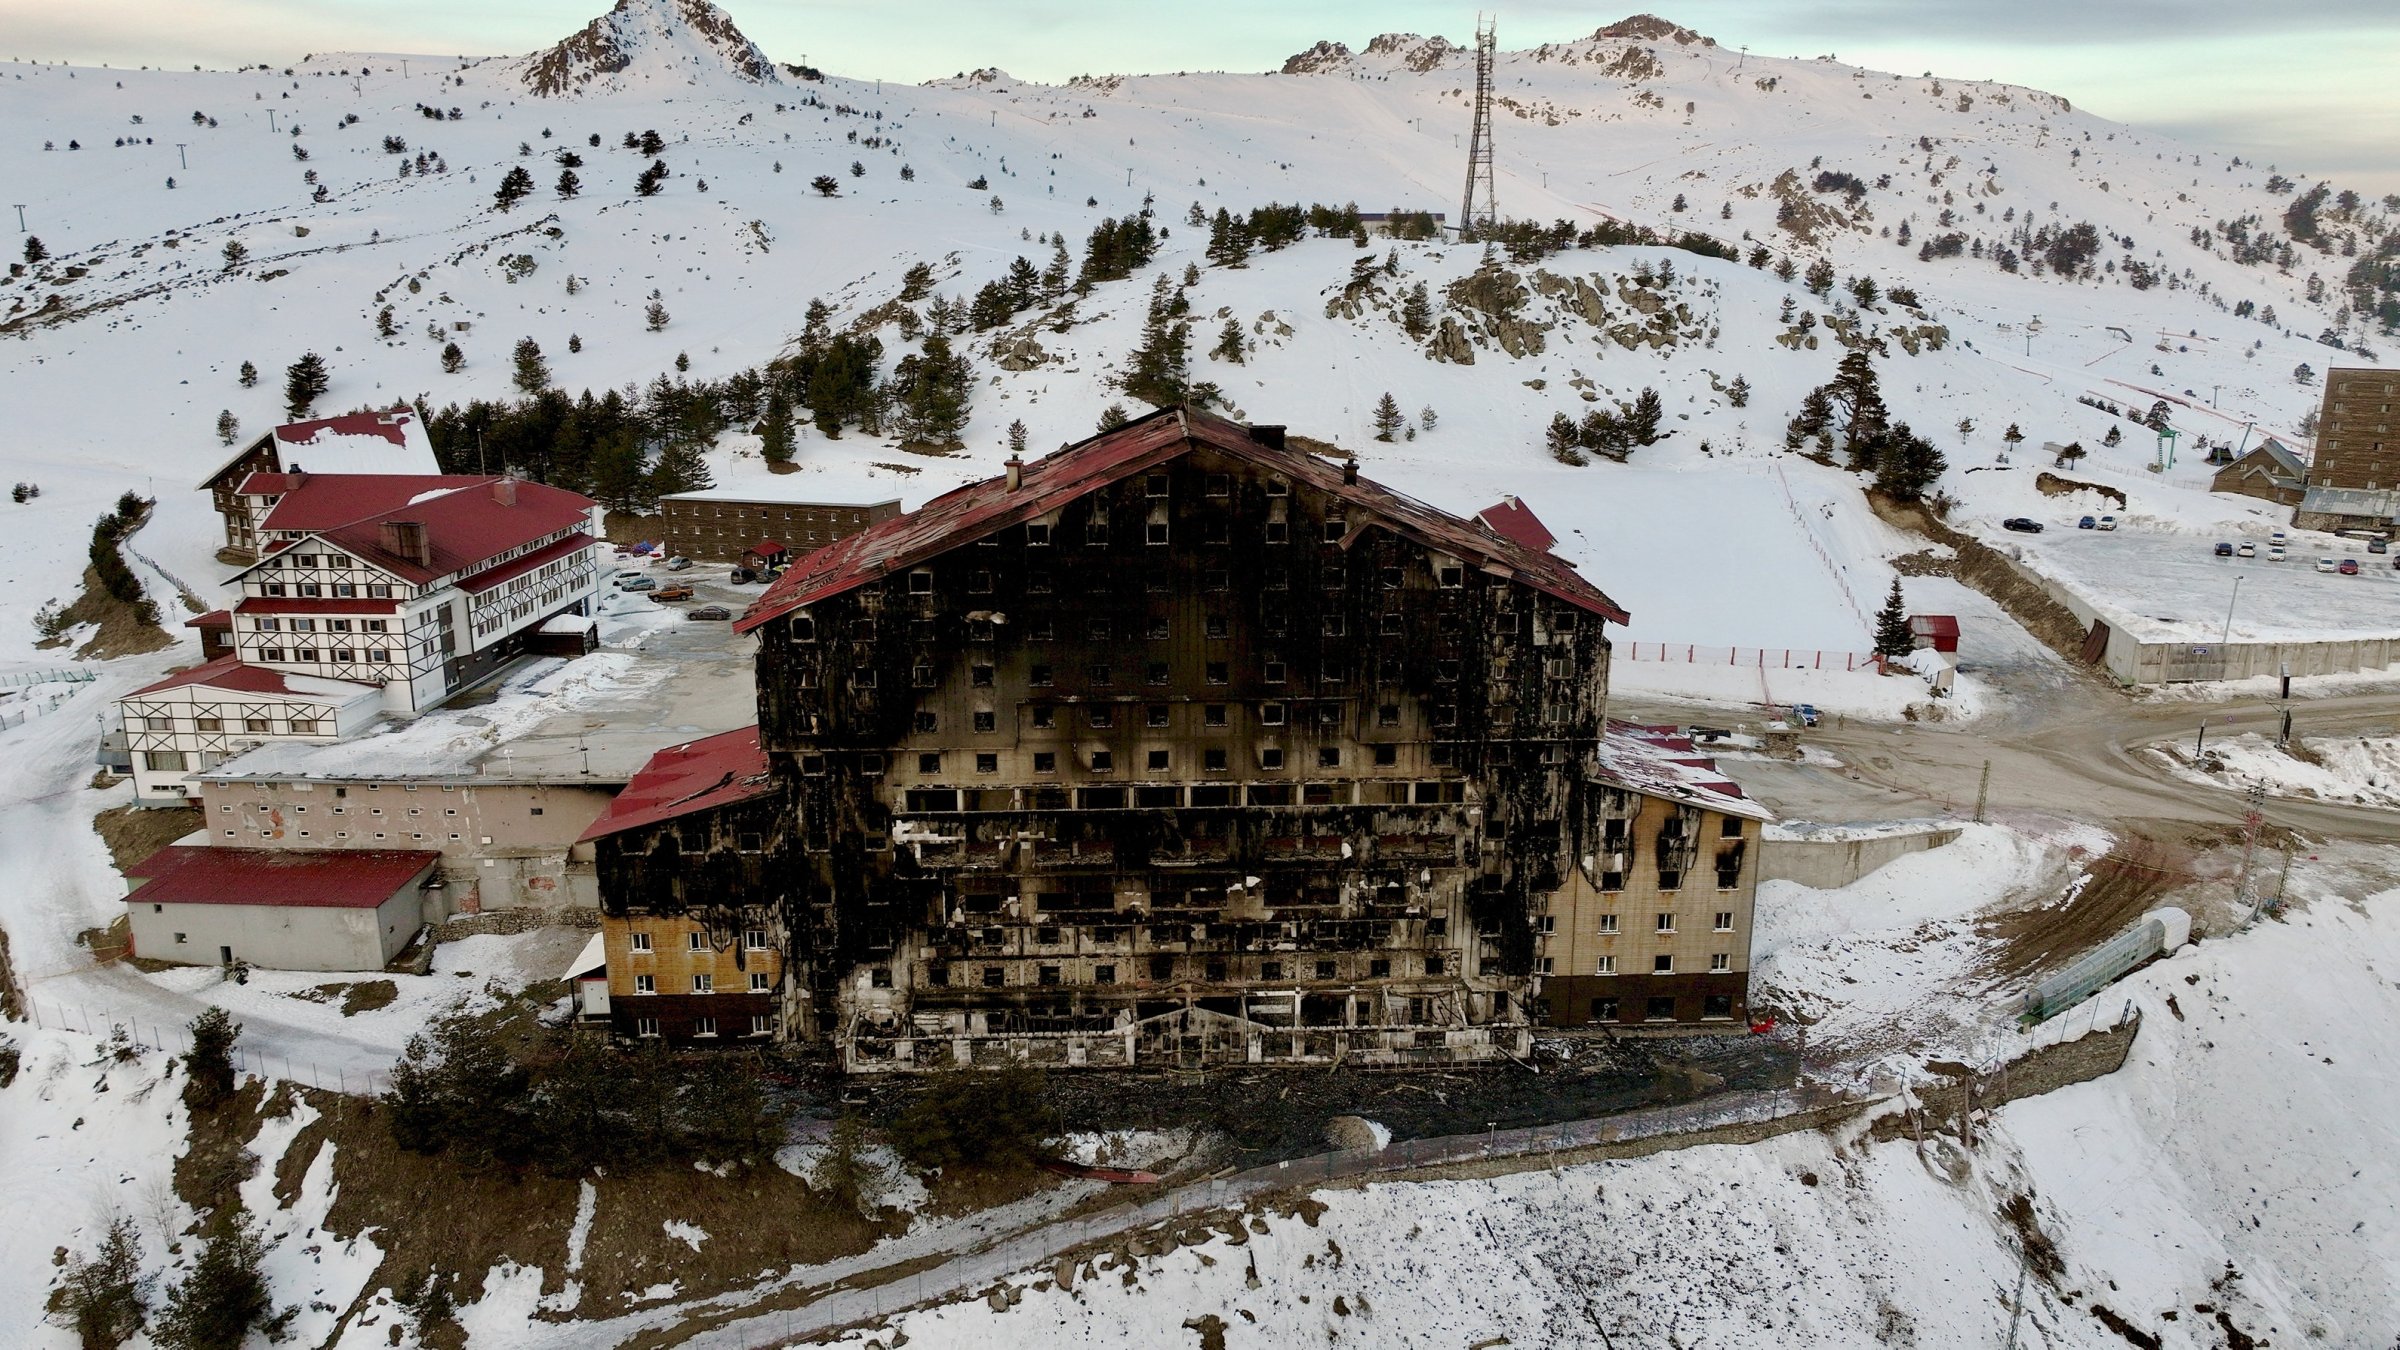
{"points": [[215, 618], [969, 513], [2370, 503], [390, 440], [2285, 460], [320, 501], [467, 523], [228, 673], [694, 776], [181, 874], [1511, 519], [1933, 625], [1661, 762]]}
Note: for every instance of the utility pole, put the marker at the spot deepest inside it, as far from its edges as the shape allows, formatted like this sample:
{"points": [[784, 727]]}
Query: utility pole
{"points": [[2237, 599], [181, 161], [1479, 145], [270, 120], [1983, 790], [2243, 891], [2283, 737], [20, 216]]}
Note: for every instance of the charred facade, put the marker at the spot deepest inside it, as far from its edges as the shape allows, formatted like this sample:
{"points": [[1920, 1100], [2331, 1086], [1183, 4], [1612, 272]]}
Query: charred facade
{"points": [[1178, 747]]}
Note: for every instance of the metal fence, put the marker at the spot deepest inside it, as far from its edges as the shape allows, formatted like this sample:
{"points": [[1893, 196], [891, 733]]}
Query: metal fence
{"points": [[23, 678], [1760, 658], [176, 1039]]}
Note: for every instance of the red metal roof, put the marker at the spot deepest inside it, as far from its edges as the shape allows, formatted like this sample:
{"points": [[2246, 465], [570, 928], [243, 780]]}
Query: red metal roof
{"points": [[1515, 520], [694, 776], [517, 567], [387, 439], [969, 513], [291, 878], [766, 546], [321, 501], [228, 672], [279, 604], [1933, 625], [467, 522], [215, 618]]}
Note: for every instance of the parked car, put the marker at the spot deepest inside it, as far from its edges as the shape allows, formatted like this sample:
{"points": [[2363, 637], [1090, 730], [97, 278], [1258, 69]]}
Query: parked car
{"points": [[2224, 550], [637, 584], [2378, 546], [2088, 523], [742, 576], [718, 612], [2108, 522], [1805, 714], [2349, 567], [627, 573], [2325, 564], [2022, 525], [2246, 550], [667, 593], [678, 564], [2279, 539], [2274, 553]]}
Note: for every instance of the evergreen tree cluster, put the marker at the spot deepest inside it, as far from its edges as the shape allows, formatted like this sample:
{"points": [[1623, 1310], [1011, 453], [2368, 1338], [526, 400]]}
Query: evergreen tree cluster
{"points": [[576, 1105], [1615, 434], [1159, 370], [1003, 299], [1115, 250], [304, 382], [1848, 413], [108, 561]]}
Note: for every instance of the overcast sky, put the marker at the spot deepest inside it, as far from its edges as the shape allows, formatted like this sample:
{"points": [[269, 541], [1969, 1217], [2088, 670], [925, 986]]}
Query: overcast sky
{"points": [[2312, 86]]}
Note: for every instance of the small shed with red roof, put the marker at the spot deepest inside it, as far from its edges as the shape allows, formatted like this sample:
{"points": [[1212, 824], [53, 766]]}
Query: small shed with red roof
{"points": [[765, 556], [1938, 631], [282, 909]]}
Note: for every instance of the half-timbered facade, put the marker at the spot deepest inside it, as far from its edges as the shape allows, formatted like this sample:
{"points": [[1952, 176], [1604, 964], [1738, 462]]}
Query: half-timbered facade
{"points": [[1176, 747], [389, 442], [188, 723]]}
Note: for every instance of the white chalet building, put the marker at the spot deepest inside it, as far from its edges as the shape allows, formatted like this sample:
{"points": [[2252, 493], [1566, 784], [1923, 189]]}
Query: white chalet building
{"points": [[373, 594]]}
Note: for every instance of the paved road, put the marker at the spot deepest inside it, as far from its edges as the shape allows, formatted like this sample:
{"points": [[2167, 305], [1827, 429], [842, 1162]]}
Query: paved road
{"points": [[2066, 748]]}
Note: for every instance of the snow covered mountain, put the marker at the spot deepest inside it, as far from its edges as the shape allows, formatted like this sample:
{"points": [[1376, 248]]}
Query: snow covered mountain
{"points": [[648, 42]]}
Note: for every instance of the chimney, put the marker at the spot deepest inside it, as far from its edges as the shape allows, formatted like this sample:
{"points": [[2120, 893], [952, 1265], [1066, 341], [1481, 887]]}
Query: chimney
{"points": [[298, 475], [406, 539], [1016, 472], [1350, 470], [1270, 436], [505, 490]]}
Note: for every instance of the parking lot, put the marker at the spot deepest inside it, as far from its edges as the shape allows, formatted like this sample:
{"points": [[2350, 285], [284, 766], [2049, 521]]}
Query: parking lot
{"points": [[2171, 587]]}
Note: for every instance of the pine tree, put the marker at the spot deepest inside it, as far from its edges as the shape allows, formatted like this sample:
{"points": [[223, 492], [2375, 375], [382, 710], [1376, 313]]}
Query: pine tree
{"points": [[384, 326], [680, 468], [35, 250], [655, 316], [1231, 344], [104, 1299], [575, 344], [514, 185], [1388, 418], [929, 395], [651, 179], [236, 253], [1228, 240], [1738, 392], [1159, 370], [617, 478], [208, 1068], [775, 433], [1642, 423], [249, 376], [304, 382], [228, 427], [1017, 435], [826, 185], [1427, 418], [1563, 441], [2013, 437], [847, 1176], [224, 1298], [1892, 637], [1113, 416], [1820, 278], [532, 372], [453, 360], [568, 184], [1907, 465], [1416, 312]]}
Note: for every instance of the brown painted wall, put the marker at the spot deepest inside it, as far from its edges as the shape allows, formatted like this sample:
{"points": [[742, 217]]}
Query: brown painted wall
{"points": [[2356, 444], [714, 529]]}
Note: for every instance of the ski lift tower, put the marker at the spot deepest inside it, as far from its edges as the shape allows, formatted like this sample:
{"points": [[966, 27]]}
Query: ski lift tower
{"points": [[2166, 449], [1476, 211]]}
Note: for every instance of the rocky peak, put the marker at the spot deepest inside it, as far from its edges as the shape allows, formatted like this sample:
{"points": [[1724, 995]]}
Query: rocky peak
{"points": [[1322, 57], [647, 42], [1651, 28]]}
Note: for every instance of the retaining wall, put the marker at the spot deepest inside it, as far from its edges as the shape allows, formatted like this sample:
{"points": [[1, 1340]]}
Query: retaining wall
{"points": [[1828, 864]]}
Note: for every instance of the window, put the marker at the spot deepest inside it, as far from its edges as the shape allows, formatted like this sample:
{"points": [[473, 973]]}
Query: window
{"points": [[1720, 963], [1212, 714], [1732, 827], [1612, 881], [1157, 761], [1155, 532], [1435, 964], [1217, 626], [920, 582], [1156, 673], [704, 1026], [1606, 965], [1451, 577], [704, 984], [1278, 532], [1095, 531], [1044, 717], [646, 1028], [1270, 758], [756, 938], [1156, 715], [1220, 485], [1045, 761], [1666, 923], [1604, 1010], [1213, 761], [163, 760], [986, 762], [1271, 714], [639, 942], [1038, 676], [1608, 924], [1387, 756], [696, 941], [377, 590], [994, 976], [1219, 672], [1663, 964], [645, 984], [1155, 485], [1724, 921], [1102, 715], [1660, 1010], [1037, 535], [921, 676], [1380, 968], [880, 977], [1103, 762], [761, 1024], [979, 581], [1717, 1005], [980, 676], [1329, 757], [930, 762]]}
